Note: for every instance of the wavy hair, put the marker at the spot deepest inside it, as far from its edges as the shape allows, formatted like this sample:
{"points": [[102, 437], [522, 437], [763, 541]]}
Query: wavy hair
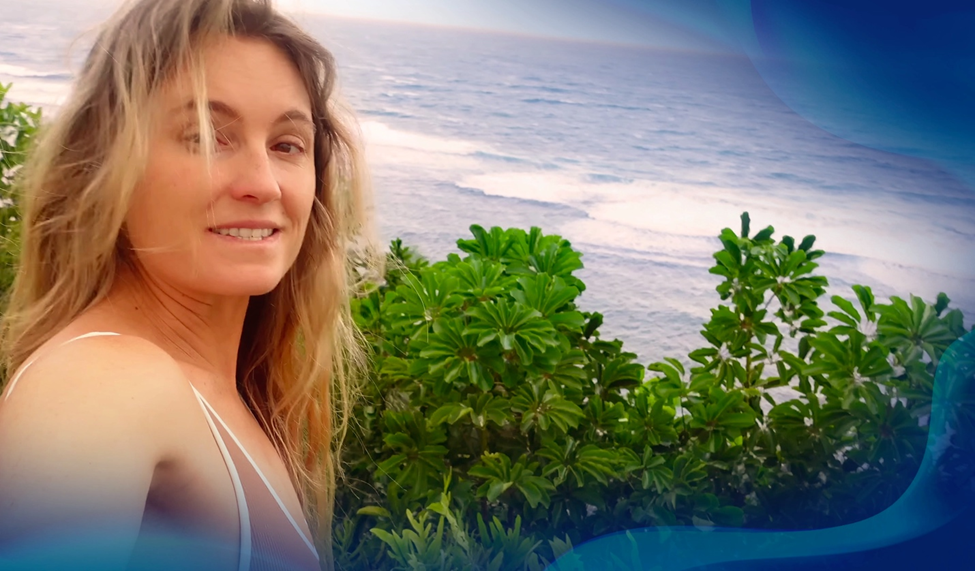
{"points": [[300, 351]]}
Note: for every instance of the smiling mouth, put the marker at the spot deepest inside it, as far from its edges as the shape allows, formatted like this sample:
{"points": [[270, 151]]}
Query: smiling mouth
{"points": [[253, 234]]}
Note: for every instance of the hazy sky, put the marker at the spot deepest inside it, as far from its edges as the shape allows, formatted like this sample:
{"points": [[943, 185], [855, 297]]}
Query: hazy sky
{"points": [[647, 23], [599, 20]]}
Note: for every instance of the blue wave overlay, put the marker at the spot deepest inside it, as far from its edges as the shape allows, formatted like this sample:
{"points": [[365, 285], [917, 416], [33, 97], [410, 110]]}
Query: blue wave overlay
{"points": [[97, 547], [897, 75], [939, 500]]}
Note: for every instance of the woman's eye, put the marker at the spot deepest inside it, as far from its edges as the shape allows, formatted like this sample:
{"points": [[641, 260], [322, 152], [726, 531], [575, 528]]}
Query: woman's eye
{"points": [[289, 148], [195, 140]]}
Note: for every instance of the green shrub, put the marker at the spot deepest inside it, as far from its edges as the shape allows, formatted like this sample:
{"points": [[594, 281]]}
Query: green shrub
{"points": [[18, 123], [492, 398]]}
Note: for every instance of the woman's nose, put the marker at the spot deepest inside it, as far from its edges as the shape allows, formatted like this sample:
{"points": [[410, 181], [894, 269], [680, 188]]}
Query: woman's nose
{"points": [[253, 175]]}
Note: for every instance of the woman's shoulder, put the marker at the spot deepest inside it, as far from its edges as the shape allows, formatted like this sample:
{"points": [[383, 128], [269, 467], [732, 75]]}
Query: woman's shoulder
{"points": [[83, 431], [103, 360], [127, 375]]}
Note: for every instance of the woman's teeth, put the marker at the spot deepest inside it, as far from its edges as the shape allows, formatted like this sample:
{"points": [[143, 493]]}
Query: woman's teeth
{"points": [[245, 233]]}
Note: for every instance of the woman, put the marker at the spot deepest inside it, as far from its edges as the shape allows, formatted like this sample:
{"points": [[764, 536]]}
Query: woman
{"points": [[178, 334]]}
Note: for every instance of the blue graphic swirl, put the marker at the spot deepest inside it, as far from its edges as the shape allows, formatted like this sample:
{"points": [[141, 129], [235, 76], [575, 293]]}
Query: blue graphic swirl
{"points": [[942, 490], [897, 76], [97, 547]]}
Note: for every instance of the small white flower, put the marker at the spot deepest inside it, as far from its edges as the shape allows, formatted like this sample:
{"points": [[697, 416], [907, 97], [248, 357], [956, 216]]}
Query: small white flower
{"points": [[858, 379], [807, 421], [781, 280]]}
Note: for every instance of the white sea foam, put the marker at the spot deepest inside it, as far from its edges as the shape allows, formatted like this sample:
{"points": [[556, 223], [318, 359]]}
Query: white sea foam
{"points": [[670, 219], [39, 93], [540, 186], [843, 224], [386, 146], [377, 133], [594, 235], [18, 71], [40, 88]]}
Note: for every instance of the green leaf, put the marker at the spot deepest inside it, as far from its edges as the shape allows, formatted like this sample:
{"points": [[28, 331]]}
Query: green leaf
{"points": [[764, 234], [449, 413], [374, 511], [737, 420], [497, 488], [807, 243]]}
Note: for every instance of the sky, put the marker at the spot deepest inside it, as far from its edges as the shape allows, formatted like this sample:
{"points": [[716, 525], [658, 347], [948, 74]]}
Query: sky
{"points": [[588, 20], [592, 20]]}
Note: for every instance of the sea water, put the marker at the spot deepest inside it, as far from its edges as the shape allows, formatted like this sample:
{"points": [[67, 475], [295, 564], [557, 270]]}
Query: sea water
{"points": [[638, 156]]}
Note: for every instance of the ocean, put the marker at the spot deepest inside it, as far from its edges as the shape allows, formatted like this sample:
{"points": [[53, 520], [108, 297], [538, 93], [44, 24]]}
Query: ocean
{"points": [[638, 156]]}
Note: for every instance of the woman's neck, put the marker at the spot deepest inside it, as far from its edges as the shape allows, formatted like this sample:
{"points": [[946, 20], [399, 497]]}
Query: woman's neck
{"points": [[200, 330]]}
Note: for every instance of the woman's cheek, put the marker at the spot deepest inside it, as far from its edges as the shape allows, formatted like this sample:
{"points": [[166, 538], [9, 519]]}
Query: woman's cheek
{"points": [[305, 201]]}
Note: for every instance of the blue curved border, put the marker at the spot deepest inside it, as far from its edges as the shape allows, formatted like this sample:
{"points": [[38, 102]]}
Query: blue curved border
{"points": [[942, 490], [893, 75]]}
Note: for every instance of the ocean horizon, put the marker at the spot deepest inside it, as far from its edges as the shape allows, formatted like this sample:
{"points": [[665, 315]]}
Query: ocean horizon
{"points": [[638, 156]]}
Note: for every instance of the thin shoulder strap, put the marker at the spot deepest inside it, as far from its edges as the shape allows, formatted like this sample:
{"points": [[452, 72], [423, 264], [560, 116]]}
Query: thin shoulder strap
{"points": [[244, 557], [20, 373], [264, 480]]}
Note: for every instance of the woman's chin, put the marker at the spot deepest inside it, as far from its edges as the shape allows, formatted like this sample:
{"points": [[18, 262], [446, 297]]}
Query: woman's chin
{"points": [[246, 286]]}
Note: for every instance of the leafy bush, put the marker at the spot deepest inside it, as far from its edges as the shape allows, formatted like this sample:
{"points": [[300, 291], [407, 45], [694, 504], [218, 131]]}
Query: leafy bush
{"points": [[495, 409], [18, 123]]}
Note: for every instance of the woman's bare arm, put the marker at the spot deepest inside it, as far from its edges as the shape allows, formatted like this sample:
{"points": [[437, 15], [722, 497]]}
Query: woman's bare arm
{"points": [[80, 439]]}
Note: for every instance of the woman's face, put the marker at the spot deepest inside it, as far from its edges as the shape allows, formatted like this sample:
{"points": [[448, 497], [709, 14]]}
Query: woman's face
{"points": [[236, 227]]}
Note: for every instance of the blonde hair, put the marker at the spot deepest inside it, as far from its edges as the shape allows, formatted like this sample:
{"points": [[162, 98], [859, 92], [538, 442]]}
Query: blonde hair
{"points": [[299, 351]]}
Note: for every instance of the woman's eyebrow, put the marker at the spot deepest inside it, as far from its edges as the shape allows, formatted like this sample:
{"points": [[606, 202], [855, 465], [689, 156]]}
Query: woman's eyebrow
{"points": [[293, 116], [215, 107], [296, 117]]}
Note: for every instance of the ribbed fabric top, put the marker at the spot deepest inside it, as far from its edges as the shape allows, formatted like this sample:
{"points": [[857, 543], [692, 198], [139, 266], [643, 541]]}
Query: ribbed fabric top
{"points": [[270, 538]]}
